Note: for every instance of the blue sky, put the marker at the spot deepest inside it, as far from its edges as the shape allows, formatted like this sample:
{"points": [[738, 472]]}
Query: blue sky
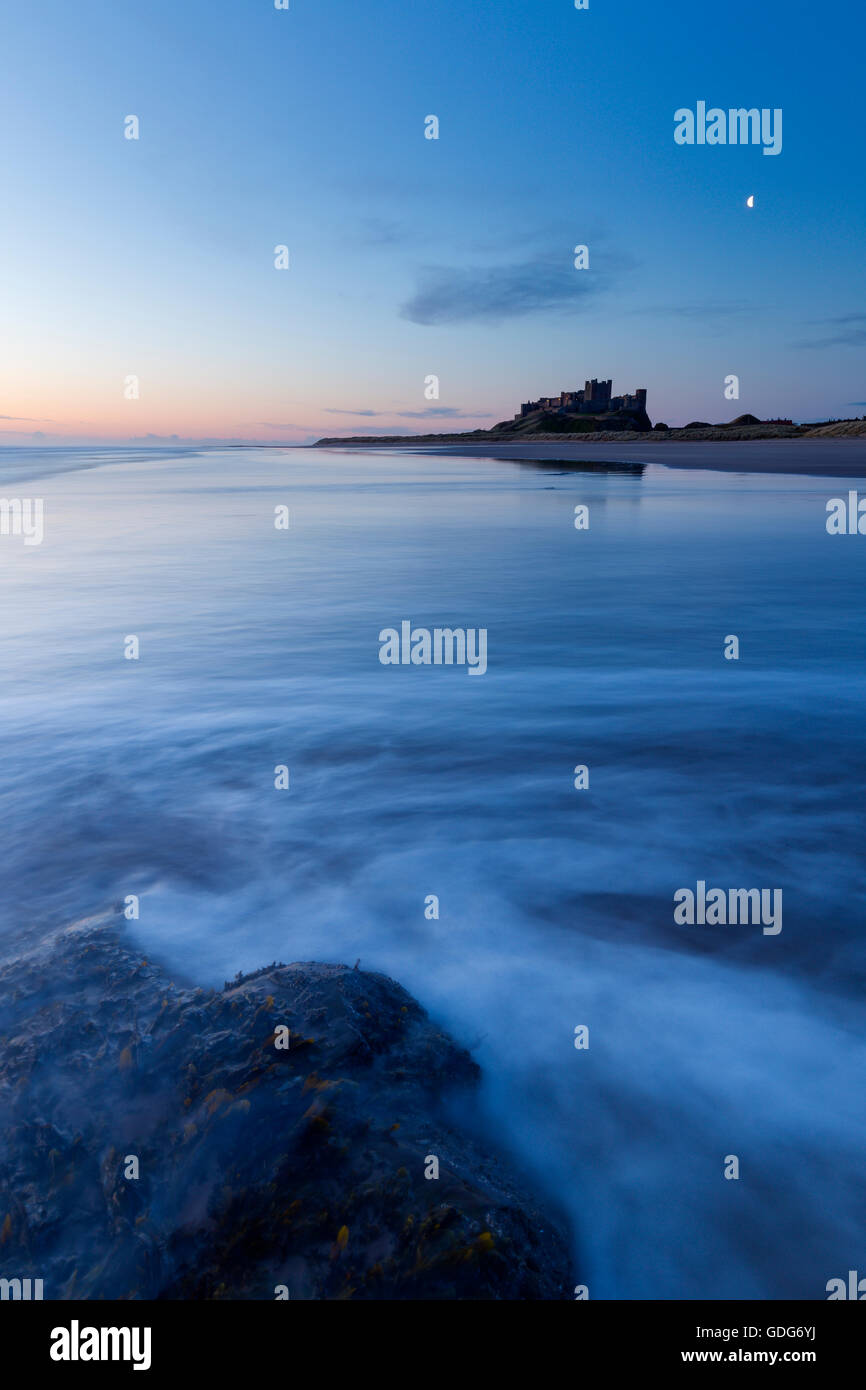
{"points": [[413, 257]]}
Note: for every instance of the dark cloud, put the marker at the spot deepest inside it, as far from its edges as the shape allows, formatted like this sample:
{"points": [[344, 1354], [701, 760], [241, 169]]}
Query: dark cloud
{"points": [[443, 412], [380, 430], [850, 332], [449, 412], [488, 294]]}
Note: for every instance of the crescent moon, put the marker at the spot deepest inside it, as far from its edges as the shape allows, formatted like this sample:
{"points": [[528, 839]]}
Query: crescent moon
{"points": [[750, 201]]}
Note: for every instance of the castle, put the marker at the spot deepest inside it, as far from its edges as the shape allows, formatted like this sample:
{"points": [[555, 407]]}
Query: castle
{"points": [[594, 399]]}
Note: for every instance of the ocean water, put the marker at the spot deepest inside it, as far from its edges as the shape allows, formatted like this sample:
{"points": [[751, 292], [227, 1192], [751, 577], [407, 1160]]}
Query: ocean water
{"points": [[260, 647]]}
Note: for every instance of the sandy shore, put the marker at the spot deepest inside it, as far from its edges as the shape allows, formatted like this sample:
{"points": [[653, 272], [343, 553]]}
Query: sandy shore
{"points": [[831, 458]]}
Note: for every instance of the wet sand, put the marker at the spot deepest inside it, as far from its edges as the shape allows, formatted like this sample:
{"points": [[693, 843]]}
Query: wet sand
{"points": [[831, 458]]}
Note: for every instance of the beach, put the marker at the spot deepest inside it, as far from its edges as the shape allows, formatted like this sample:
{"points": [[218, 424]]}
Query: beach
{"points": [[430, 824], [830, 457]]}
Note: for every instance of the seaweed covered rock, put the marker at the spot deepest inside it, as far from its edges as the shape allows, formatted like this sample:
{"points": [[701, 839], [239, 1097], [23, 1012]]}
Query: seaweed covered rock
{"points": [[276, 1138]]}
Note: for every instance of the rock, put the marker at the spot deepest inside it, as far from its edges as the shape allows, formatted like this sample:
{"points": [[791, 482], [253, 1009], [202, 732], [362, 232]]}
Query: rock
{"points": [[259, 1165]]}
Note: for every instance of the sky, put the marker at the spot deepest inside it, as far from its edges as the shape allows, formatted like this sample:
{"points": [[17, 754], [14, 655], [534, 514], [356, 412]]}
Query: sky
{"points": [[411, 258]]}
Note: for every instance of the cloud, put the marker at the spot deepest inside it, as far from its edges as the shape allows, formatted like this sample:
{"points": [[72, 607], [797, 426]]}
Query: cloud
{"points": [[272, 425], [710, 310], [852, 333], [488, 294], [31, 419], [333, 410], [200, 441], [450, 412], [399, 430], [379, 231]]}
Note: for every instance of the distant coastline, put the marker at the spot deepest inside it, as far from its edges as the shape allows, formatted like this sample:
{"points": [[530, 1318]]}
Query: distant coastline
{"points": [[698, 433]]}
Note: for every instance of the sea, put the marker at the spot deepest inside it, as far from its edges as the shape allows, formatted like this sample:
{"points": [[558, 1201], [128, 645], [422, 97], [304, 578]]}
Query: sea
{"points": [[429, 822]]}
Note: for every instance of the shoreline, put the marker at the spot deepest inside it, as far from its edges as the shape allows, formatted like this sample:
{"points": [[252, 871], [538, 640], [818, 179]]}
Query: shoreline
{"points": [[832, 457]]}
